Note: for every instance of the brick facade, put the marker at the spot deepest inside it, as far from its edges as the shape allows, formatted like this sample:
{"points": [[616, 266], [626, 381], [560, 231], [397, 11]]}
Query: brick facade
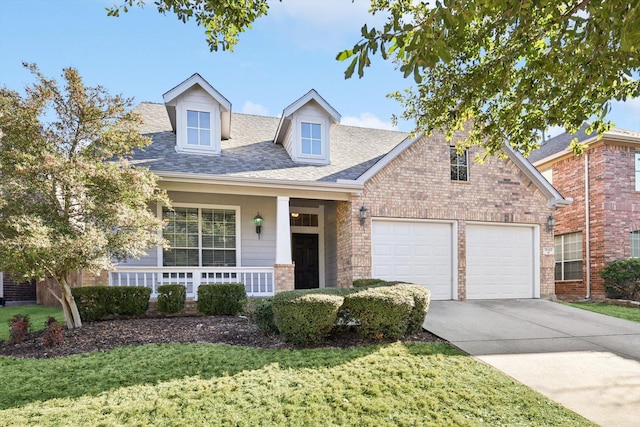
{"points": [[417, 185], [17, 292], [614, 209], [284, 277]]}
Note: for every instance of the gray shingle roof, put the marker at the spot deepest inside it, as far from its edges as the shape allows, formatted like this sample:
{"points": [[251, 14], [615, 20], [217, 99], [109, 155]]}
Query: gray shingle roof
{"points": [[251, 153], [558, 143]]}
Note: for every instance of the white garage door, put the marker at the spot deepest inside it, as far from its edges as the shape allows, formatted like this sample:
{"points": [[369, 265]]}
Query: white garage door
{"points": [[501, 262], [415, 252]]}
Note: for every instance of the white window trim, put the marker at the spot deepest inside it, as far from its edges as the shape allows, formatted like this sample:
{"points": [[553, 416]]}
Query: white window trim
{"points": [[324, 156], [633, 236], [564, 260], [181, 124], [466, 154], [637, 170], [200, 206]]}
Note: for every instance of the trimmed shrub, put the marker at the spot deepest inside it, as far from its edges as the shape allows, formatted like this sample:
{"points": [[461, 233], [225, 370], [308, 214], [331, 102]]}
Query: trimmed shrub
{"points": [[382, 312], [52, 333], [171, 298], [363, 283], [100, 302], [421, 299], [263, 316], [222, 298], [622, 279], [19, 327], [305, 317]]}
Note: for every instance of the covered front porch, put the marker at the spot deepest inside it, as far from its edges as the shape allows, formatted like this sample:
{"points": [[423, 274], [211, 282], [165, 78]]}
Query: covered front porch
{"points": [[214, 238]]}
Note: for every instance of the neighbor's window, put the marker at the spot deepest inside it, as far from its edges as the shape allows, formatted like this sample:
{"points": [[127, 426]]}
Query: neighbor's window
{"points": [[635, 244], [311, 139], [568, 253], [637, 171], [459, 165], [199, 237], [198, 128]]}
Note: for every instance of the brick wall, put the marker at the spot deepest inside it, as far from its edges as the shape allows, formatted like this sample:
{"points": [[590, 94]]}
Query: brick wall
{"points": [[17, 292], [614, 209], [417, 184]]}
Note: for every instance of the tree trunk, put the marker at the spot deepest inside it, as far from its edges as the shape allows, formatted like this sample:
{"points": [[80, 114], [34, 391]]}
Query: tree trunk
{"points": [[69, 307]]}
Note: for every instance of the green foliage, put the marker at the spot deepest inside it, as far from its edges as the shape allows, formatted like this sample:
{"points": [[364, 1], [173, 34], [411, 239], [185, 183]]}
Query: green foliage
{"points": [[382, 312], [421, 300], [263, 316], [622, 279], [171, 298], [627, 313], [361, 283], [223, 20], [222, 298], [19, 327], [37, 313], [69, 199], [511, 68], [305, 318], [100, 302], [207, 384], [52, 333]]}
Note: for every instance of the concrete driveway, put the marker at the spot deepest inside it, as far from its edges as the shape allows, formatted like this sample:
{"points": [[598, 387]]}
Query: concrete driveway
{"points": [[587, 362]]}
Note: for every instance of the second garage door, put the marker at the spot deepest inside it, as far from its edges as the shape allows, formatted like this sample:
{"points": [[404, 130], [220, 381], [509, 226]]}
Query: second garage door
{"points": [[415, 252], [501, 262]]}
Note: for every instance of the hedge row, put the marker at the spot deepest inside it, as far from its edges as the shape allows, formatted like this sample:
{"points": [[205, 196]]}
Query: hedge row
{"points": [[100, 302], [381, 310]]}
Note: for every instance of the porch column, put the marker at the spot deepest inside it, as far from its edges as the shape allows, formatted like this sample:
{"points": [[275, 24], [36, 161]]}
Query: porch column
{"points": [[283, 231], [284, 269]]}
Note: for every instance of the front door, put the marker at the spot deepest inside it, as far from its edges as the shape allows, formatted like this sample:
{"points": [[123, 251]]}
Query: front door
{"points": [[305, 256]]}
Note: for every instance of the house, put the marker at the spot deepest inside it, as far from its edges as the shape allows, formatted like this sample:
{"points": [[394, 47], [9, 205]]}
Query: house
{"points": [[302, 201], [12, 293], [603, 223]]}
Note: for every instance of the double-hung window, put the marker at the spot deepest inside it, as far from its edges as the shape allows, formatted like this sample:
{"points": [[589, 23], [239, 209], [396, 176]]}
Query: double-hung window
{"points": [[198, 128], [635, 244], [459, 164], [200, 237], [311, 139], [637, 171], [568, 254]]}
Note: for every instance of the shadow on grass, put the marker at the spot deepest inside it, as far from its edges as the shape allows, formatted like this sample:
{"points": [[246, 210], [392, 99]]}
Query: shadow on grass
{"points": [[31, 380]]}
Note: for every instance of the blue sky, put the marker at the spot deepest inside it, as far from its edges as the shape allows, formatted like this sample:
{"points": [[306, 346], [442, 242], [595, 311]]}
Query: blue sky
{"points": [[143, 54]]}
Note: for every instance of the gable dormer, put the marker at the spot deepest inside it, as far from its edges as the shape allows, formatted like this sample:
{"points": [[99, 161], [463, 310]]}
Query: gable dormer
{"points": [[305, 129], [200, 116]]}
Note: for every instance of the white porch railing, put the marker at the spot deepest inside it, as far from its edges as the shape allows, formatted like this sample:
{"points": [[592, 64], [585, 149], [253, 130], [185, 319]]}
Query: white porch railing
{"points": [[258, 281]]}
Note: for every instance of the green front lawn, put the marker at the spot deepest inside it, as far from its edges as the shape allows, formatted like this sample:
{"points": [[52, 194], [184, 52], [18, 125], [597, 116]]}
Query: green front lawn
{"points": [[627, 313], [38, 315], [212, 384]]}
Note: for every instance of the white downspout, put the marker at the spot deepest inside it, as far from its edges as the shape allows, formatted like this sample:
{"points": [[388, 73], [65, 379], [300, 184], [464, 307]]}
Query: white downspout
{"points": [[587, 224]]}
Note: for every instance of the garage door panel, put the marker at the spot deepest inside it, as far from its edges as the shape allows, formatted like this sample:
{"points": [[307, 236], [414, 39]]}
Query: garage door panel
{"points": [[417, 252], [500, 261]]}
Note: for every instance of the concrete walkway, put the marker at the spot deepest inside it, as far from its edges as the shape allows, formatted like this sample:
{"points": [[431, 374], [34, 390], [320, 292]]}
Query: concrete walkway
{"points": [[588, 362]]}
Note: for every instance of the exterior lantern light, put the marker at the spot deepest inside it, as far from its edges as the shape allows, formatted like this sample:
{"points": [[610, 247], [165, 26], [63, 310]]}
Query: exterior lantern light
{"points": [[551, 221], [257, 221], [364, 213]]}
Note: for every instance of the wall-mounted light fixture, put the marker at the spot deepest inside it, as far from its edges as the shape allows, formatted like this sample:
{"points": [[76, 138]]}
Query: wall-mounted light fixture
{"points": [[551, 221], [257, 221], [364, 213]]}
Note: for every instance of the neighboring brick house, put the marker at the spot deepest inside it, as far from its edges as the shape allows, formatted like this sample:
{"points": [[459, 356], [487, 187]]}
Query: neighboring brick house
{"points": [[15, 293], [603, 223], [301, 201]]}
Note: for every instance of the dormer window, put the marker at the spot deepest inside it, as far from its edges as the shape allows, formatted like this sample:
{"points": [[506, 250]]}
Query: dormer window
{"points": [[305, 129], [200, 116], [198, 128], [311, 139]]}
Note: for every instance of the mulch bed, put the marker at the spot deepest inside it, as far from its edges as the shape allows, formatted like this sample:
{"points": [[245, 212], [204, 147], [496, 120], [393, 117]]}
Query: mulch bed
{"points": [[232, 330]]}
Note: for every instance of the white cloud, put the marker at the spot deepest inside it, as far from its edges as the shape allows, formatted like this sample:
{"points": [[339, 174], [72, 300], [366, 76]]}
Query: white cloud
{"points": [[253, 108], [367, 120]]}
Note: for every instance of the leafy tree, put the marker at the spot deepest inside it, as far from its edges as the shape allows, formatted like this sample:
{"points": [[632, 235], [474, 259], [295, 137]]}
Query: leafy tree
{"points": [[69, 200], [512, 68]]}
